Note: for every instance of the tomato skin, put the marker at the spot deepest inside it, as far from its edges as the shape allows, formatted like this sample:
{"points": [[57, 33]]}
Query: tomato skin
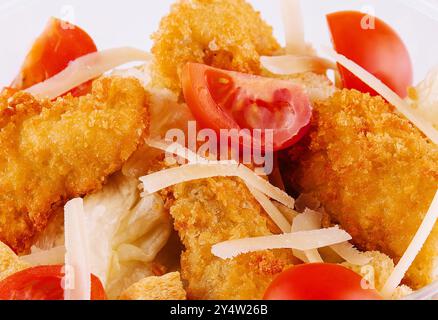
{"points": [[380, 51], [319, 281], [221, 99], [58, 45], [42, 283], [198, 97]]}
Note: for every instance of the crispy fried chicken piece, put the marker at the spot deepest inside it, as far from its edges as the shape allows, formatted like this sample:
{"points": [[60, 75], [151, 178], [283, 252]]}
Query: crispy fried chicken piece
{"points": [[374, 173], [166, 287], [210, 211], [52, 152], [227, 34]]}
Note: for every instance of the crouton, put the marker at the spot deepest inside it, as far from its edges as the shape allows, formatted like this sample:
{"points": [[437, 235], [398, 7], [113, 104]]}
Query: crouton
{"points": [[167, 287], [10, 263]]}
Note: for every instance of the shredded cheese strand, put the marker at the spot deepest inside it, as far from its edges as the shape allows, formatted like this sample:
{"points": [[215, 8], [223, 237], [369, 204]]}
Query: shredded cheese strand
{"points": [[271, 210], [77, 279], [345, 250], [185, 153], [257, 182], [307, 221], [86, 68], [402, 106], [166, 178], [304, 240], [176, 149], [290, 64], [350, 254], [223, 169], [300, 255], [293, 26], [313, 256], [54, 256], [412, 251], [193, 158]]}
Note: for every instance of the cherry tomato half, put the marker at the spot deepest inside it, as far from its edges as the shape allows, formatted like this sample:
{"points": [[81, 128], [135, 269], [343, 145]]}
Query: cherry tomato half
{"points": [[221, 99], [375, 46], [42, 283], [59, 44], [319, 281]]}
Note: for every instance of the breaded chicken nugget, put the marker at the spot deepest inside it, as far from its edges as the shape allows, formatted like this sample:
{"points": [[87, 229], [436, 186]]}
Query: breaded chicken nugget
{"points": [[374, 173], [51, 152], [227, 34], [210, 211]]}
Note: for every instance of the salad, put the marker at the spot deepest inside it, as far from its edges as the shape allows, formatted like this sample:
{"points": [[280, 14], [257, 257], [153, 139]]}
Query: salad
{"points": [[222, 165]]}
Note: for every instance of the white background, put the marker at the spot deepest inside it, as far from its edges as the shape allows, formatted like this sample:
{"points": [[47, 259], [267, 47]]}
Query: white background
{"points": [[131, 22]]}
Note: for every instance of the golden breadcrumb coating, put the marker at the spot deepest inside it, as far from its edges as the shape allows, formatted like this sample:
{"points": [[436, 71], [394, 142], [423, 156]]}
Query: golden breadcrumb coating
{"points": [[227, 34], [52, 152], [167, 287], [210, 211], [10, 263], [374, 173]]}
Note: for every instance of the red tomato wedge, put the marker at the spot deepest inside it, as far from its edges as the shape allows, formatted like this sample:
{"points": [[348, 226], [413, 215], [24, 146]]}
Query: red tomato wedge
{"points": [[59, 44], [319, 281], [42, 283], [221, 99], [375, 46]]}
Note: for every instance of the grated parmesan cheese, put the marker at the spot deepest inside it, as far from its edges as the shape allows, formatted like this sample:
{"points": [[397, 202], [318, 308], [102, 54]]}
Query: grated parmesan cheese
{"points": [[290, 64], [350, 254], [199, 168], [185, 153], [202, 168], [307, 221], [266, 204], [257, 182], [311, 220], [304, 240], [165, 178], [77, 279], [271, 210], [293, 26], [86, 68], [54, 256]]}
